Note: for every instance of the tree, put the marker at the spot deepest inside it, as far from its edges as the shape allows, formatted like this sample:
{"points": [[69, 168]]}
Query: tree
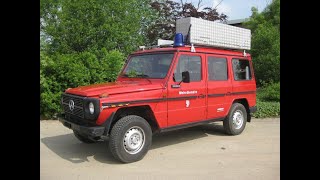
{"points": [[167, 12], [61, 71], [80, 25], [265, 51], [85, 42]]}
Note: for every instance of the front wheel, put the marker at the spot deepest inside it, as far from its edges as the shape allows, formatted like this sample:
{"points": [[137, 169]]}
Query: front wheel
{"points": [[236, 120], [130, 139]]}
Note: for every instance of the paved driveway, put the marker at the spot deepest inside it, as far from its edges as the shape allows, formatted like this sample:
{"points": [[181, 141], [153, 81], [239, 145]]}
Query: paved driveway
{"points": [[202, 152]]}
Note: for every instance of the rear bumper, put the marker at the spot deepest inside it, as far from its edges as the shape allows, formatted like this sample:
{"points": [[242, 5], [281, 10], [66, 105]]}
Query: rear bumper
{"points": [[253, 109], [94, 131]]}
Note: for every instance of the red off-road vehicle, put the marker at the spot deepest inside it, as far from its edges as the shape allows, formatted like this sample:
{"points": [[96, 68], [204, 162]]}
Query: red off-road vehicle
{"points": [[163, 89]]}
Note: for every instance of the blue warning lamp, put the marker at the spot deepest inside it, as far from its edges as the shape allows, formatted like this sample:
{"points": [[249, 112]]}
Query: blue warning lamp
{"points": [[178, 40]]}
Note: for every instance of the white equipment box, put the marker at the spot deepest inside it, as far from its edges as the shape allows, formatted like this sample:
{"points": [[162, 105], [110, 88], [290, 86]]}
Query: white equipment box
{"points": [[208, 33]]}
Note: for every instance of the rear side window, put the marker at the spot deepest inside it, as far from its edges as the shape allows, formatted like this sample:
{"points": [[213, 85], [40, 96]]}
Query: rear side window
{"points": [[241, 69], [191, 64], [217, 69]]}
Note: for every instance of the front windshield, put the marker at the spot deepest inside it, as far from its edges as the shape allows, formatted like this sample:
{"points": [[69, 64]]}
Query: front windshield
{"points": [[148, 66]]}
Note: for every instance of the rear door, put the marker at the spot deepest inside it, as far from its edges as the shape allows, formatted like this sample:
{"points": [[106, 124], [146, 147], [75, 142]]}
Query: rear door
{"points": [[243, 81], [187, 102], [219, 86]]}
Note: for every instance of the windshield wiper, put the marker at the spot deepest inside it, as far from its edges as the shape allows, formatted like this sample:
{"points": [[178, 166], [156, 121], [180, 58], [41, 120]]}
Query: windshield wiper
{"points": [[142, 75], [136, 75]]}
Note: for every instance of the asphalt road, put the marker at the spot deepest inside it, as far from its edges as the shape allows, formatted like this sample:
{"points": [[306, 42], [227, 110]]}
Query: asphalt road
{"points": [[202, 152]]}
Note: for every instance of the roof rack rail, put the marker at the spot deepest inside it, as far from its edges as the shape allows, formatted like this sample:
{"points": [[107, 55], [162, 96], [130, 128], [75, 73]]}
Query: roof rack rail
{"points": [[154, 46]]}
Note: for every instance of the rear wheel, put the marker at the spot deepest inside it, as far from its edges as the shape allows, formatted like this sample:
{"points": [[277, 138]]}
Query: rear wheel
{"points": [[130, 139], [83, 138], [236, 120]]}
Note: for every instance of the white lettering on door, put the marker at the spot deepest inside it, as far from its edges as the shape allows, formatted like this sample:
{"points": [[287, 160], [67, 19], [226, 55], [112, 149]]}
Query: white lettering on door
{"points": [[187, 92]]}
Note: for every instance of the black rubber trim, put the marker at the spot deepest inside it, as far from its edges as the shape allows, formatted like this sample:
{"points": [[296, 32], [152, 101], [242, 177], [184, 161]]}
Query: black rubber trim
{"points": [[94, 131], [151, 100], [243, 92], [175, 98], [253, 109], [202, 96], [216, 95], [181, 98], [90, 130], [229, 94], [134, 102], [186, 125], [108, 123]]}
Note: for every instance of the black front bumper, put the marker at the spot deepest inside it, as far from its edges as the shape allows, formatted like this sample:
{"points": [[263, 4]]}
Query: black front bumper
{"points": [[92, 131], [253, 109]]}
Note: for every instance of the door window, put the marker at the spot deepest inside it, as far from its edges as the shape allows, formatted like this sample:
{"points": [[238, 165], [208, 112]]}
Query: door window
{"points": [[191, 64], [217, 69]]}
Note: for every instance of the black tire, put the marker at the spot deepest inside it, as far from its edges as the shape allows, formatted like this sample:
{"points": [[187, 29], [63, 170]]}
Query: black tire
{"points": [[83, 138], [236, 110], [131, 125]]}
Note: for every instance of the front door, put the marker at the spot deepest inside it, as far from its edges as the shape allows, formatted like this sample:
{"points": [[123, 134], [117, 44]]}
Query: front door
{"points": [[187, 102]]}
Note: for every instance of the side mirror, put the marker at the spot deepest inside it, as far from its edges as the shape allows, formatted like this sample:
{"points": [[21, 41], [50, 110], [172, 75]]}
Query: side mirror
{"points": [[185, 77]]}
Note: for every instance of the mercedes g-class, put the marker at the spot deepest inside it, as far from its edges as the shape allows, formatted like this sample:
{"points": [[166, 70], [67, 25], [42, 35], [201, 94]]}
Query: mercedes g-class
{"points": [[159, 90]]}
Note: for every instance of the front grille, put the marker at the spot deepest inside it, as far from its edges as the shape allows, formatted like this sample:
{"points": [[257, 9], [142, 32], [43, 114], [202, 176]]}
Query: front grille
{"points": [[78, 105]]}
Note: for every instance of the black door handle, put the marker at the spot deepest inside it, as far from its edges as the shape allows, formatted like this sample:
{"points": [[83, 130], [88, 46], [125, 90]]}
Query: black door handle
{"points": [[175, 86], [201, 96]]}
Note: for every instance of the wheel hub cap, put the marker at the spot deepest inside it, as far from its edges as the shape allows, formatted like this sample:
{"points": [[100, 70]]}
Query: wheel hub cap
{"points": [[133, 140], [237, 119]]}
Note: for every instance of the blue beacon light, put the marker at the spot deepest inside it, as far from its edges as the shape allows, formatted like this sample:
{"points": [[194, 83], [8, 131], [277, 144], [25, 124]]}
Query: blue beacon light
{"points": [[178, 40]]}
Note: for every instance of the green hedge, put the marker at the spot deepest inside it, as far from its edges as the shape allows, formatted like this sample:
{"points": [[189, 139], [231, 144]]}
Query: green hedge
{"points": [[268, 101], [269, 92], [59, 72], [267, 109]]}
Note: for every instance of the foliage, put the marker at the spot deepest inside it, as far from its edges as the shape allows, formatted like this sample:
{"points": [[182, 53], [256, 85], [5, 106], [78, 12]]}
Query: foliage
{"points": [[163, 26], [62, 71], [86, 25], [269, 92], [267, 109], [85, 42], [265, 51], [268, 101]]}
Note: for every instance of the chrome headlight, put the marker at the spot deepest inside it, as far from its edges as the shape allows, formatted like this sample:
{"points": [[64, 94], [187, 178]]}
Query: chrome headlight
{"points": [[91, 108]]}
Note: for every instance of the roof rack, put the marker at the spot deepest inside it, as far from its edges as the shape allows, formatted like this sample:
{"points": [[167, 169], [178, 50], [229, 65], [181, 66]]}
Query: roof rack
{"points": [[207, 33]]}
